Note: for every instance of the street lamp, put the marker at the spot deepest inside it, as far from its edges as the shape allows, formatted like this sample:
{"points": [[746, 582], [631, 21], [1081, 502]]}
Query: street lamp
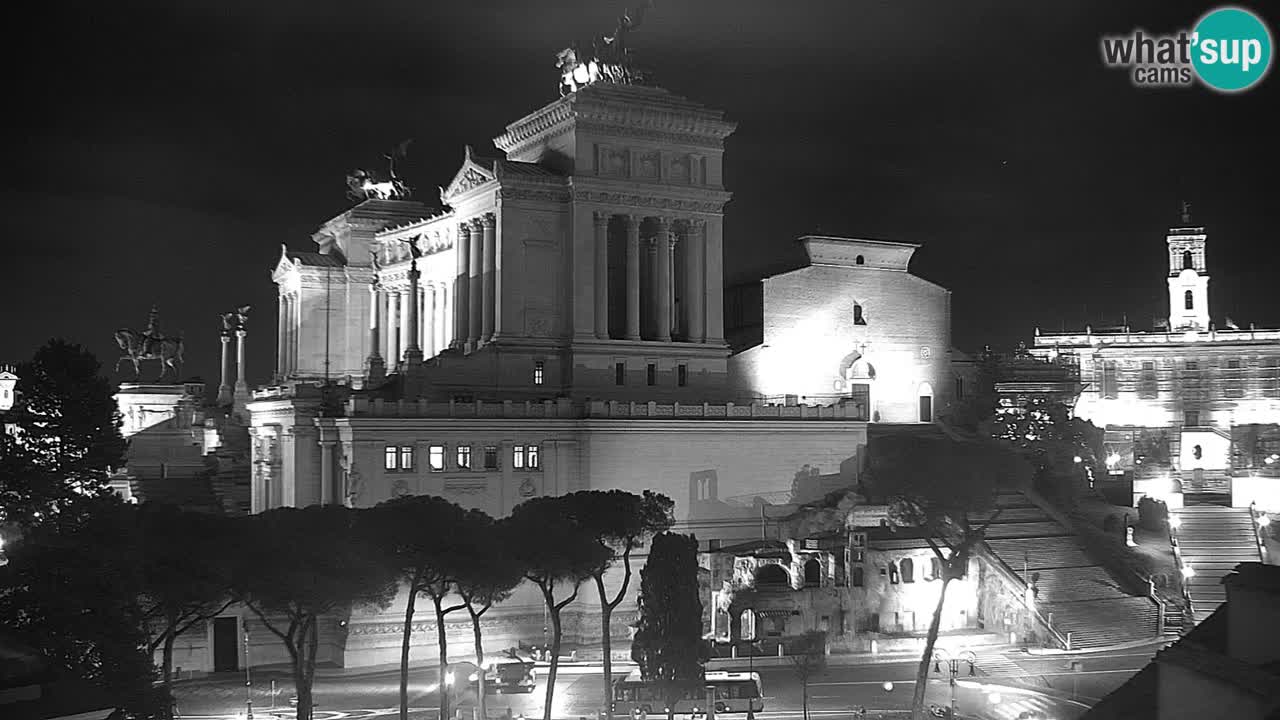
{"points": [[940, 655], [248, 688]]}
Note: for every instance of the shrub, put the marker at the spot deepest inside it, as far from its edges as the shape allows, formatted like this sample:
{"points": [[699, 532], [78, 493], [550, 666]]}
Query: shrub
{"points": [[1152, 514]]}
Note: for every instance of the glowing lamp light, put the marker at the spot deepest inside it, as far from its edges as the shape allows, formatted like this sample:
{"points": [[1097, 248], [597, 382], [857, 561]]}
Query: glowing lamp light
{"points": [[1188, 571], [1077, 459], [994, 698], [887, 686], [448, 678], [1175, 521], [581, 74], [1264, 520], [1113, 459]]}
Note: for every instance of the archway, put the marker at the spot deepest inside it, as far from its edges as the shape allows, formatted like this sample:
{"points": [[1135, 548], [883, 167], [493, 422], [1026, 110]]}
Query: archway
{"points": [[812, 573], [771, 575]]}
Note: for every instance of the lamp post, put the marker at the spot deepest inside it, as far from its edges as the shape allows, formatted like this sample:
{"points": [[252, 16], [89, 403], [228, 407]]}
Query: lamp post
{"points": [[940, 655], [248, 692]]}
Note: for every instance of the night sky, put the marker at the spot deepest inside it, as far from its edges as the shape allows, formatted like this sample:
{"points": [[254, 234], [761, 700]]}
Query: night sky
{"points": [[161, 152]]}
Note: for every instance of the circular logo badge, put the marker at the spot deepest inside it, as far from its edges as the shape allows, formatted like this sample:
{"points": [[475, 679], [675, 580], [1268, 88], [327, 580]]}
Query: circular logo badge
{"points": [[1231, 49]]}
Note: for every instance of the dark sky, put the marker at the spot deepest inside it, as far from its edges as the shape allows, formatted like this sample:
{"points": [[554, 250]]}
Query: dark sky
{"points": [[161, 152]]}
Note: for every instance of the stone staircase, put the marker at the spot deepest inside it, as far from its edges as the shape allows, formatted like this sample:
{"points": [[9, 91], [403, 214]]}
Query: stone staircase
{"points": [[1077, 594], [1212, 540]]}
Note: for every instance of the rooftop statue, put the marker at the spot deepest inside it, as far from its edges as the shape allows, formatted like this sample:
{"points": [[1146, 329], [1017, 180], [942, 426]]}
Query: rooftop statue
{"points": [[237, 319], [149, 345], [366, 185], [609, 59]]}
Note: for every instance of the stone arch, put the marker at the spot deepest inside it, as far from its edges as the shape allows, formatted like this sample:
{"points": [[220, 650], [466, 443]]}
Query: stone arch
{"points": [[1188, 262], [772, 574], [812, 572], [859, 260], [1189, 300]]}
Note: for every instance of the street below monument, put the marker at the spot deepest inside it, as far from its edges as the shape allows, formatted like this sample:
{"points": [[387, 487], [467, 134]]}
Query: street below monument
{"points": [[989, 694]]}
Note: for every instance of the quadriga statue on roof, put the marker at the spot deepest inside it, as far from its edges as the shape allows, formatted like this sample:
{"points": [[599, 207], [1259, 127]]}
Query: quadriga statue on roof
{"points": [[609, 61], [366, 185]]}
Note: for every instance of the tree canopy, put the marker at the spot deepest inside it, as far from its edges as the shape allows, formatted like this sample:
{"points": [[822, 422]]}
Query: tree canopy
{"points": [[668, 643]]}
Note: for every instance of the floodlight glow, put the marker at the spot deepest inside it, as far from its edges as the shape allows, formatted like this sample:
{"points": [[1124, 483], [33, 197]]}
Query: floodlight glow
{"points": [[887, 686], [1113, 459], [994, 698], [1077, 459], [1263, 520], [448, 678], [1175, 521], [1188, 571]]}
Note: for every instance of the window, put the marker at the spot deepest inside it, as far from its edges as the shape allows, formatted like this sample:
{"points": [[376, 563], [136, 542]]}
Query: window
{"points": [[1191, 418], [857, 576], [398, 458], [1233, 364], [959, 388], [935, 569], [524, 457], [1148, 387], [908, 570], [857, 316], [813, 573], [1188, 300], [1192, 365], [464, 457], [859, 260], [893, 573], [391, 458], [651, 374], [538, 367], [619, 373], [926, 408], [1109, 390], [406, 457], [1188, 263], [682, 375], [435, 458], [490, 457]]}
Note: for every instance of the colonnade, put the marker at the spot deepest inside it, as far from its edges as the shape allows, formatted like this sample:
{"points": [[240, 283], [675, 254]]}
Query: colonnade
{"points": [[290, 320], [394, 308]]}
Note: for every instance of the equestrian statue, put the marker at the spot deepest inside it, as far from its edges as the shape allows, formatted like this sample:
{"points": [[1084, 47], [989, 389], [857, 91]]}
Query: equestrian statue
{"points": [[149, 345]]}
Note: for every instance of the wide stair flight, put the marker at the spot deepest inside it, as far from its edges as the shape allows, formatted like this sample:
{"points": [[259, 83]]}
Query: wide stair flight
{"points": [[1212, 540]]}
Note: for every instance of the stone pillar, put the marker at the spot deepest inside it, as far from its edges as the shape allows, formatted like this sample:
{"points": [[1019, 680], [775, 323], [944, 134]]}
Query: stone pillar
{"points": [[633, 276], [663, 290], [462, 257], [444, 323], [475, 286], [411, 325], [490, 277], [393, 326], [242, 386], [295, 330], [602, 275], [224, 387], [405, 315], [429, 321], [715, 280], [282, 337], [326, 471], [377, 368], [695, 305]]}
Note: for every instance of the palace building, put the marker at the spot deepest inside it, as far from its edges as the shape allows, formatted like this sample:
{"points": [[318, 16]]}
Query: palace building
{"points": [[559, 325], [1191, 407]]}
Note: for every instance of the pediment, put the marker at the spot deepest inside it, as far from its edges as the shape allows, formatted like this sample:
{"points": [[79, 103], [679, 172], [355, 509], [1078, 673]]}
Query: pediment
{"points": [[473, 173], [284, 266]]}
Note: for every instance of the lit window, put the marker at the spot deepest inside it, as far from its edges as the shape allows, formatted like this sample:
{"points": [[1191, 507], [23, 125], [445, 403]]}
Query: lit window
{"points": [[682, 375], [435, 457], [538, 367], [491, 457], [464, 457], [406, 457], [1188, 300], [651, 374], [524, 457], [619, 373], [531, 454], [390, 458], [517, 457]]}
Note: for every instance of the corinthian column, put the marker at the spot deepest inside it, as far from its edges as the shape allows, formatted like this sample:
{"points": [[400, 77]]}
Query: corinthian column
{"points": [[429, 321], [224, 388], [461, 289], [663, 291], [407, 301], [475, 285], [377, 367], [490, 281], [282, 337], [412, 350], [633, 276], [715, 281], [602, 275], [393, 324], [242, 387], [695, 281]]}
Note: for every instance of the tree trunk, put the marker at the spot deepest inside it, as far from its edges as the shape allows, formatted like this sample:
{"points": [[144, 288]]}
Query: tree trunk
{"points": [[442, 641], [481, 703], [804, 695], [555, 655], [922, 672], [404, 651], [313, 644], [606, 647], [301, 686], [167, 660]]}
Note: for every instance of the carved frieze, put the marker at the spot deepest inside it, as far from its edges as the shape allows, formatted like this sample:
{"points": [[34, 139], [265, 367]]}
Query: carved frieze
{"points": [[679, 171], [613, 162], [466, 486], [648, 165], [648, 201], [470, 179]]}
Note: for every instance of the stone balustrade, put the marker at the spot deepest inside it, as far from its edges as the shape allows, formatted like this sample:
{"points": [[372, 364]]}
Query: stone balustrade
{"points": [[566, 409], [1157, 338]]}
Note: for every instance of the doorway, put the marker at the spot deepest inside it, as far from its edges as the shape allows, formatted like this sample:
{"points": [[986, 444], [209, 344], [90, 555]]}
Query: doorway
{"points": [[226, 654]]}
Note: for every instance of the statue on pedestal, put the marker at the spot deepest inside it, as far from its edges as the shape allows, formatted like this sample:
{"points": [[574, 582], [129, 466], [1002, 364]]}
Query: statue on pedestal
{"points": [[366, 185], [149, 345]]}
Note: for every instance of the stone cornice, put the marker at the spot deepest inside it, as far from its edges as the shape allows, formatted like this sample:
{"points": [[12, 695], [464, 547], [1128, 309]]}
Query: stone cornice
{"points": [[707, 202]]}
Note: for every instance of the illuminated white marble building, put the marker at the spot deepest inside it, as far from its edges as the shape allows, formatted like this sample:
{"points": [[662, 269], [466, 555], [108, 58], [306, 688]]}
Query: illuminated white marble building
{"points": [[1193, 383]]}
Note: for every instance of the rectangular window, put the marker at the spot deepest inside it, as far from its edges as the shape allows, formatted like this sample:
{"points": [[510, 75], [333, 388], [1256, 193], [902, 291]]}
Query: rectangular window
{"points": [[531, 456], [1148, 386], [1192, 365], [1109, 389], [619, 373], [682, 375], [1233, 364], [406, 457], [538, 368], [1271, 378], [464, 457], [651, 373], [435, 458], [391, 458], [959, 388], [517, 457], [1191, 418], [490, 457]]}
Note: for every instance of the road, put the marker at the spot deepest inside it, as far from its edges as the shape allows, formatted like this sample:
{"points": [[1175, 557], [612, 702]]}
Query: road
{"points": [[831, 695]]}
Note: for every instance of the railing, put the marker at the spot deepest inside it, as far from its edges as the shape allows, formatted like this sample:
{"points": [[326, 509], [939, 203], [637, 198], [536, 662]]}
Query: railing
{"points": [[564, 408], [1179, 564], [1258, 523], [1012, 576], [1153, 338]]}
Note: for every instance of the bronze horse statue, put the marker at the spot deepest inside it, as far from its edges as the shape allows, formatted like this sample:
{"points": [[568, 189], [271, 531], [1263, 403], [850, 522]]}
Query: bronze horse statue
{"points": [[139, 346]]}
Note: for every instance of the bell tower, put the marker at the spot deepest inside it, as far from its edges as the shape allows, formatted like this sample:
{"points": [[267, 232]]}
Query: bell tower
{"points": [[1188, 277]]}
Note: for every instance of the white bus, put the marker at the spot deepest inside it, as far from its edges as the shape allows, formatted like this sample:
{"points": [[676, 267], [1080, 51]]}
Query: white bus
{"points": [[736, 693]]}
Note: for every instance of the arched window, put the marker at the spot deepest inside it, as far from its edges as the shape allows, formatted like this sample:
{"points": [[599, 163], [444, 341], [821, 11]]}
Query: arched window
{"points": [[813, 572], [857, 316], [1188, 300], [908, 570], [935, 568], [859, 261], [771, 575], [1188, 263], [893, 573]]}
